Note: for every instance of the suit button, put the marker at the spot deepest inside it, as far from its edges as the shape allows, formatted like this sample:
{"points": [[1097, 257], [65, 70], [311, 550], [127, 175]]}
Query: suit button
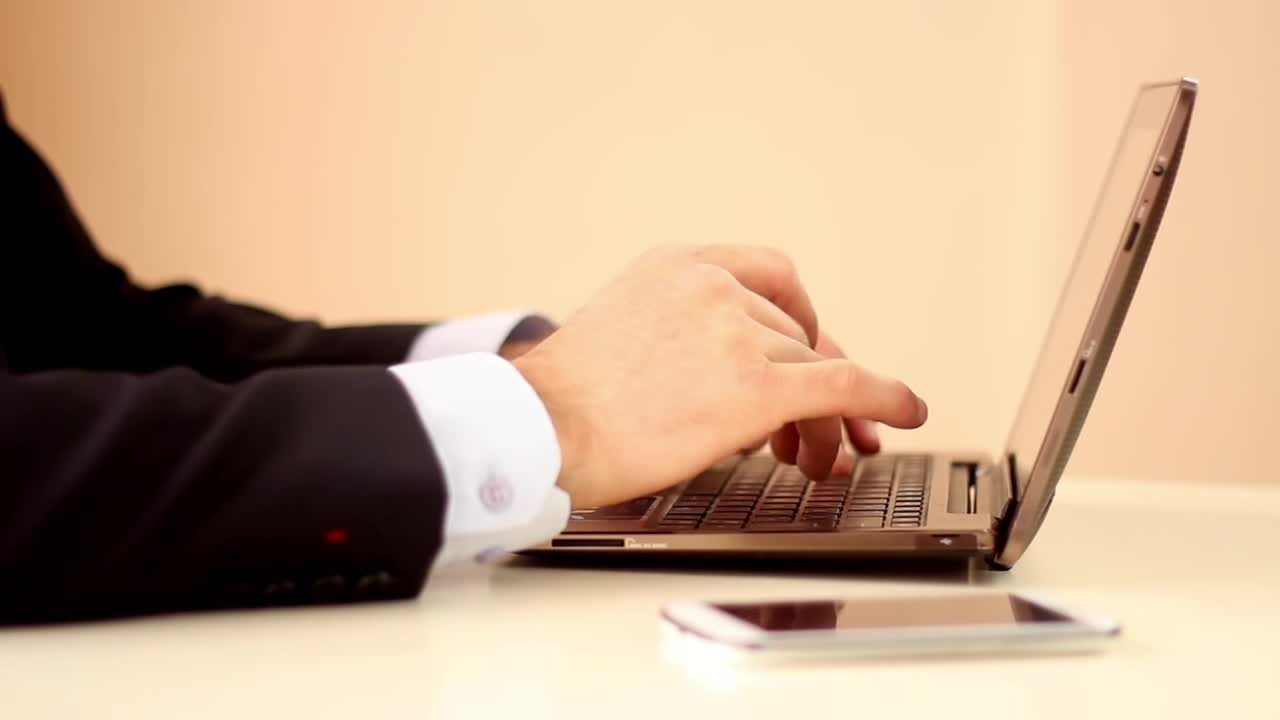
{"points": [[280, 590], [329, 588], [374, 585]]}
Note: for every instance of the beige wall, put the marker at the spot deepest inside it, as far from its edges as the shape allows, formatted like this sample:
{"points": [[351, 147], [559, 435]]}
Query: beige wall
{"points": [[1194, 387], [928, 164]]}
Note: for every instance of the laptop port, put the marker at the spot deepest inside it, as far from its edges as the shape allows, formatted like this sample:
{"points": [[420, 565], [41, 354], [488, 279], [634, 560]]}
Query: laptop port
{"points": [[1075, 379], [1133, 235]]}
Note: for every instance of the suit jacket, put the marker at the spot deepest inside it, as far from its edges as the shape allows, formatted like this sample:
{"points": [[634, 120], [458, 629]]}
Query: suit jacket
{"points": [[164, 450]]}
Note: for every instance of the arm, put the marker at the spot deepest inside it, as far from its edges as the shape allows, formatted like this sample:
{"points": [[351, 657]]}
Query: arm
{"points": [[126, 493], [63, 305]]}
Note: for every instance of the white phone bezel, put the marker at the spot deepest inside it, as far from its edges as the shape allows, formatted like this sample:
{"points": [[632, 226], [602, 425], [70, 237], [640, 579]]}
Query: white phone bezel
{"points": [[1082, 632]]}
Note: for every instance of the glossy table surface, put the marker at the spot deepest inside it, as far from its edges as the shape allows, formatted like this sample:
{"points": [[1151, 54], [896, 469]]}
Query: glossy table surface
{"points": [[1190, 571]]}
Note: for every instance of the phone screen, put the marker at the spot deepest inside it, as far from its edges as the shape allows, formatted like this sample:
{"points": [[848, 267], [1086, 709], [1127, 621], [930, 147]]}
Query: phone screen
{"points": [[863, 613]]}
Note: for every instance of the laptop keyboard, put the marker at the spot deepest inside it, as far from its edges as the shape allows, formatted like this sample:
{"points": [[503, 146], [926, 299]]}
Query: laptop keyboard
{"points": [[757, 493]]}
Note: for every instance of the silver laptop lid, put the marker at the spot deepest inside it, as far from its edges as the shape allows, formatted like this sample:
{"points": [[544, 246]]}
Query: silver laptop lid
{"points": [[1092, 306]]}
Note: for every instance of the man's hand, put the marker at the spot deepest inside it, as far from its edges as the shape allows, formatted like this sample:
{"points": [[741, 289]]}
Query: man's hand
{"points": [[689, 355], [786, 443]]}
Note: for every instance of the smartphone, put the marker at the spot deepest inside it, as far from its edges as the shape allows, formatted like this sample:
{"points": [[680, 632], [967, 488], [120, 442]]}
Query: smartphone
{"points": [[965, 623]]}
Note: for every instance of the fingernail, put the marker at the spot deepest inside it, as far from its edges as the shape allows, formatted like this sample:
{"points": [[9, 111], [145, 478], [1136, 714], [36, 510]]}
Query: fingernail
{"points": [[873, 431], [922, 410]]}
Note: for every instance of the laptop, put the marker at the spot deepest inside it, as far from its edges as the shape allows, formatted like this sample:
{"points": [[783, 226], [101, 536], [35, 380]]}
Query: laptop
{"points": [[934, 504]]}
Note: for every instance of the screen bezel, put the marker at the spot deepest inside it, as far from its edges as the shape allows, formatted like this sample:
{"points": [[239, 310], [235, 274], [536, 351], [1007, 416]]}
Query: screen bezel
{"points": [[1034, 497]]}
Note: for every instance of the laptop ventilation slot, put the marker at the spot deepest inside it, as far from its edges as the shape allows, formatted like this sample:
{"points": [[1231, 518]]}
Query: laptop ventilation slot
{"points": [[962, 499]]}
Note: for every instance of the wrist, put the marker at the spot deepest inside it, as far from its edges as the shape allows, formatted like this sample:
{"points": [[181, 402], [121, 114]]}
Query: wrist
{"points": [[569, 427]]}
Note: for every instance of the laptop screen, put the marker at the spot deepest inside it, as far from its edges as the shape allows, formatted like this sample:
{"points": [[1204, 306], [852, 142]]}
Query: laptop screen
{"points": [[1105, 236]]}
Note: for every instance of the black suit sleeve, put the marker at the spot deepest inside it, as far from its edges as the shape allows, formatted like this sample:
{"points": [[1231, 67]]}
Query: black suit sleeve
{"points": [[63, 305], [153, 458], [123, 494]]}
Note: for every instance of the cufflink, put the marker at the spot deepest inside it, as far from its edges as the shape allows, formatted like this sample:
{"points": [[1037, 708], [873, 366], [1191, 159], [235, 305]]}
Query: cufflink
{"points": [[489, 554], [496, 493]]}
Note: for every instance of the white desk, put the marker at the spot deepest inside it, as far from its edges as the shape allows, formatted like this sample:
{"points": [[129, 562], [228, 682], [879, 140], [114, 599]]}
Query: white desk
{"points": [[1191, 572]]}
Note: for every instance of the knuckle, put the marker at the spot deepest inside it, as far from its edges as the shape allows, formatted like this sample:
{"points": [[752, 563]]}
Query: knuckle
{"points": [[698, 252], [714, 282], [703, 252], [779, 262], [685, 250], [737, 338]]}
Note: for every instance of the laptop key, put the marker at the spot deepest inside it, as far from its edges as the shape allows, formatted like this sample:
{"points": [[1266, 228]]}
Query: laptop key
{"points": [[710, 481], [628, 510], [863, 522], [785, 494]]}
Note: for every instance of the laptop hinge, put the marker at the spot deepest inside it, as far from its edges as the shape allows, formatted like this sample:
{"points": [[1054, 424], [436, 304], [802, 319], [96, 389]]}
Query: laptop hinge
{"points": [[1011, 507]]}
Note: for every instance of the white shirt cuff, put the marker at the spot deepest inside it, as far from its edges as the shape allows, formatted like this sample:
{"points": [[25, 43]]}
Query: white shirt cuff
{"points": [[479, 333], [497, 449]]}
